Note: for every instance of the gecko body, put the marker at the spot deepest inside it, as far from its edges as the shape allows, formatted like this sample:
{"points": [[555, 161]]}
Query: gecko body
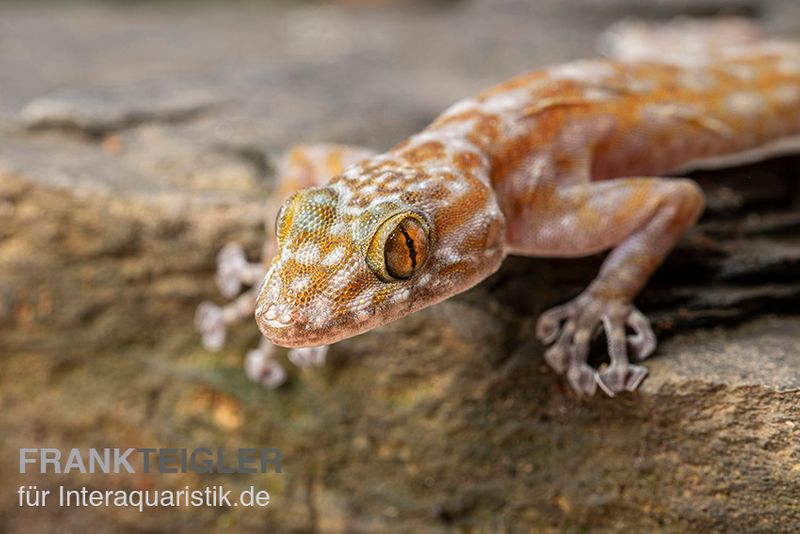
{"points": [[566, 161]]}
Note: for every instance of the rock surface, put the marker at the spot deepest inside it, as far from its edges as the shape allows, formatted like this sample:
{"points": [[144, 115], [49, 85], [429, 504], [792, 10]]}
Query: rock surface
{"points": [[136, 141]]}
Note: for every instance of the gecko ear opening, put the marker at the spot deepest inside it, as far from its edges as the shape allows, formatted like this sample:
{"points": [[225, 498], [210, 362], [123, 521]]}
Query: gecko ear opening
{"points": [[399, 248]]}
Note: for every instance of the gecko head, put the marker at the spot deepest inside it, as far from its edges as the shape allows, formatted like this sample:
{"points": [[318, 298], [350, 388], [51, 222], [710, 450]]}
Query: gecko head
{"points": [[373, 246]]}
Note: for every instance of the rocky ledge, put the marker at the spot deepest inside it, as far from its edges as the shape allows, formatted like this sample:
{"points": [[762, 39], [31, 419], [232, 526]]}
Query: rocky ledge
{"points": [[114, 202]]}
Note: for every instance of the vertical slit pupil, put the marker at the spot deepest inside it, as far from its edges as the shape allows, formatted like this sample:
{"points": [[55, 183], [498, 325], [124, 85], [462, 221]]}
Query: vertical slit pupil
{"points": [[412, 251]]}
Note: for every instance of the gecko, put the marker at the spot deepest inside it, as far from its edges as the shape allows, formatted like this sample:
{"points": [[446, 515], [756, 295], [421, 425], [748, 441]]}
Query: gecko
{"points": [[566, 161]]}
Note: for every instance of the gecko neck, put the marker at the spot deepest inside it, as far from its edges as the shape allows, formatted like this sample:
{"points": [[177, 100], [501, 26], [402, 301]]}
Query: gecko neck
{"points": [[450, 147]]}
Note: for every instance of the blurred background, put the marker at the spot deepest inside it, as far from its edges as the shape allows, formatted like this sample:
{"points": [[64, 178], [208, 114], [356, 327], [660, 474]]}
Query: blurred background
{"points": [[137, 138]]}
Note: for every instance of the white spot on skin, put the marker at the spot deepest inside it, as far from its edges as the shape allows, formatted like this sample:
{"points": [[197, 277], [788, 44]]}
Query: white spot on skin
{"points": [[274, 286], [344, 192], [300, 283], [502, 103], [307, 254], [362, 304], [383, 178], [392, 184], [599, 94], [745, 103], [452, 137], [424, 279], [696, 80], [338, 228], [457, 187], [367, 190], [401, 295], [423, 185], [320, 310], [462, 106], [593, 72], [352, 173], [338, 282], [352, 211], [640, 85], [448, 255], [333, 257]]}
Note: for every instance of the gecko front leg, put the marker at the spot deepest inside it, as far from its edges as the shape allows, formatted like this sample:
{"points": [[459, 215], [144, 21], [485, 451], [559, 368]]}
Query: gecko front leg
{"points": [[642, 218]]}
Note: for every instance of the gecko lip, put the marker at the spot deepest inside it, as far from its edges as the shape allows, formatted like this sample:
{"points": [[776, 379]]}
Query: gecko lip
{"points": [[276, 324], [277, 317]]}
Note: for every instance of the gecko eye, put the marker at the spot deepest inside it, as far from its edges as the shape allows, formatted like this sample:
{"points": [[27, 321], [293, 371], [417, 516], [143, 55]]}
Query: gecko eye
{"points": [[399, 247]]}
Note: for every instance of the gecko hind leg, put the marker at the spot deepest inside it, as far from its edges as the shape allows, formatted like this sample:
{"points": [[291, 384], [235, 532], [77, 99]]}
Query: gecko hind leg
{"points": [[642, 218]]}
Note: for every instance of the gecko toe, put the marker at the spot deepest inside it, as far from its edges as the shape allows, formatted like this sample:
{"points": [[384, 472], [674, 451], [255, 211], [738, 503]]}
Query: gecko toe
{"points": [[548, 326], [231, 261], [309, 356], [261, 367], [561, 355], [209, 321], [582, 379], [617, 378], [557, 358], [643, 341]]}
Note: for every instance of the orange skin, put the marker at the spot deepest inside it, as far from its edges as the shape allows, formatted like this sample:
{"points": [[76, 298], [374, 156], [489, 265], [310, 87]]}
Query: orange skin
{"points": [[560, 162]]}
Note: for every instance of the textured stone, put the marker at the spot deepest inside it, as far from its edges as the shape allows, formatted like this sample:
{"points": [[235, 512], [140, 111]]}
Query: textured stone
{"points": [[128, 157]]}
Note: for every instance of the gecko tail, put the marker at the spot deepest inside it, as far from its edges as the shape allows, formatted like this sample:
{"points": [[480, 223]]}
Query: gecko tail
{"points": [[682, 41]]}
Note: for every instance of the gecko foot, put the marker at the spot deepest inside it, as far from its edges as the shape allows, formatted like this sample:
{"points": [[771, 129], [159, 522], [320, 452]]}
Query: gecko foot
{"points": [[209, 321], [260, 366], [569, 328], [309, 356]]}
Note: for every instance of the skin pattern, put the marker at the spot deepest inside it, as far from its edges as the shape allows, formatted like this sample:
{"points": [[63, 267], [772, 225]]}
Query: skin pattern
{"points": [[566, 161]]}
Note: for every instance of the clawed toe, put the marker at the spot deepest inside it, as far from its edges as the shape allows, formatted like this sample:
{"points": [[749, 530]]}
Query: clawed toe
{"points": [[617, 378], [557, 358], [231, 260], [548, 327], [582, 379], [260, 367], [643, 342], [309, 356], [210, 323]]}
